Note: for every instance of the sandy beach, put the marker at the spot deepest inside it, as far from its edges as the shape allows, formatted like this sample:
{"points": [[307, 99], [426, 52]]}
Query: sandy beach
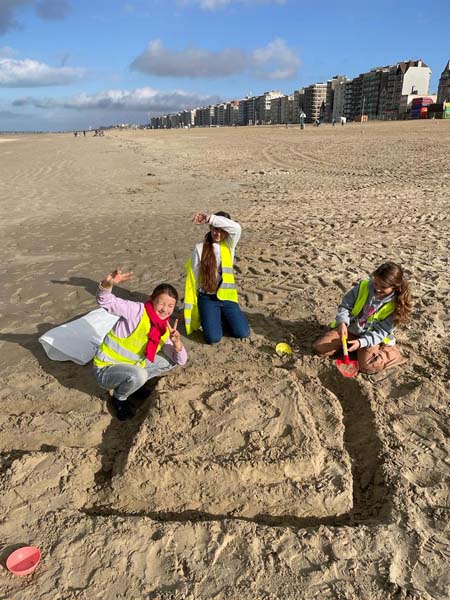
{"points": [[245, 475]]}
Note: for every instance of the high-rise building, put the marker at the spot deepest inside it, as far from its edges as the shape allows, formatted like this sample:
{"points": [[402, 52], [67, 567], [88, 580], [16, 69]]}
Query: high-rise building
{"points": [[339, 97], [406, 78], [299, 100], [275, 111], [262, 106], [332, 84], [314, 101], [232, 112], [287, 109]]}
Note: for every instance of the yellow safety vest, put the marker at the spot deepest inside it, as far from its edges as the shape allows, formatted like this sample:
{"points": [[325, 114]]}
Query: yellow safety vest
{"points": [[226, 291], [381, 314], [129, 350]]}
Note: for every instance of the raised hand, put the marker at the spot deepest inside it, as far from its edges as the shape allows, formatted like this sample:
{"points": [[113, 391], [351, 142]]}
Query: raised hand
{"points": [[175, 336], [116, 277], [200, 218]]}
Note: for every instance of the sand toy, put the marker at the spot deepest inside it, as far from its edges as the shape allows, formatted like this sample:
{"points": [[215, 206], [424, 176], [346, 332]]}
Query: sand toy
{"points": [[347, 367], [283, 349], [23, 561]]}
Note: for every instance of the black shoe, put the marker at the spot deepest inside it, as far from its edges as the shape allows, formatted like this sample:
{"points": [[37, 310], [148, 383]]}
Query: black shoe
{"points": [[122, 409], [140, 395]]}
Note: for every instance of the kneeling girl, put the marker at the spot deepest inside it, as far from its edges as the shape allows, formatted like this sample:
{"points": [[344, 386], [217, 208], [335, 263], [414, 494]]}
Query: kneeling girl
{"points": [[211, 298]]}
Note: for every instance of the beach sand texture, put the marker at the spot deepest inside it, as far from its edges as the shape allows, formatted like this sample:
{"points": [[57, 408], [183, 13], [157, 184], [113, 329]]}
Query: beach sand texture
{"points": [[245, 475]]}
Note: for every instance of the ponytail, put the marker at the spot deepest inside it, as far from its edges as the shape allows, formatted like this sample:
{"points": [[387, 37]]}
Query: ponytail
{"points": [[208, 266]]}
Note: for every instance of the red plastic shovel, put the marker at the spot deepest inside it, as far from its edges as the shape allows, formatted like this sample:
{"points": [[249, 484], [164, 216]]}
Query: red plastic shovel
{"points": [[347, 367]]}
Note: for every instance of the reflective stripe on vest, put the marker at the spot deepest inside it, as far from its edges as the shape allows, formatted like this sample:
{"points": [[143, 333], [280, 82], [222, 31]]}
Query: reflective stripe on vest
{"points": [[191, 314], [363, 293], [129, 350], [227, 289]]}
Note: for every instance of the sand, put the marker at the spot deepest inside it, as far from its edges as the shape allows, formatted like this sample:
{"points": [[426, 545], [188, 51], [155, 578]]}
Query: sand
{"points": [[245, 475]]}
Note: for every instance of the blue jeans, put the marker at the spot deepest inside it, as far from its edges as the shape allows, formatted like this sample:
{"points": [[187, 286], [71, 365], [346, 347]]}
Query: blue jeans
{"points": [[214, 312], [126, 379]]}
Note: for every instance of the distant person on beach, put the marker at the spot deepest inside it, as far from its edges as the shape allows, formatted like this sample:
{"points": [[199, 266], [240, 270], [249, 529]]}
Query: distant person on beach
{"points": [[367, 316], [211, 298], [140, 346]]}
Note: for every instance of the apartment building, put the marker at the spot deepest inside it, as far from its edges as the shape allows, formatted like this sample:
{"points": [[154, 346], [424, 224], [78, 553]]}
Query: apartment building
{"points": [[314, 101], [299, 101], [403, 79], [188, 117], [263, 106], [377, 93], [339, 96], [232, 112], [219, 115], [444, 85], [332, 84], [250, 110], [204, 116], [275, 111], [287, 109]]}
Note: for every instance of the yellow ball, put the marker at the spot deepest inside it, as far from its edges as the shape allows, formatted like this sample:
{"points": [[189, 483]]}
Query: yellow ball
{"points": [[282, 348]]}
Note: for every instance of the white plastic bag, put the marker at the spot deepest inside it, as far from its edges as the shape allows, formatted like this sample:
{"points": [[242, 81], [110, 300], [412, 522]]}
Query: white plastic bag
{"points": [[78, 340]]}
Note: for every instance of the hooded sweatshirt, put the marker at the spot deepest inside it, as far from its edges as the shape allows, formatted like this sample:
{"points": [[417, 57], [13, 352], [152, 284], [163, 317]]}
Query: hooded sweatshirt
{"points": [[369, 334]]}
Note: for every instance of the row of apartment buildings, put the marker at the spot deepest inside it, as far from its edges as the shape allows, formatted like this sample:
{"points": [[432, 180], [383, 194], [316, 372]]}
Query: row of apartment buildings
{"points": [[381, 93]]}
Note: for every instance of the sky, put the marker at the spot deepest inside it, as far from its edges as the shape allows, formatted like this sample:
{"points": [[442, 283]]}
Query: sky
{"points": [[75, 64]]}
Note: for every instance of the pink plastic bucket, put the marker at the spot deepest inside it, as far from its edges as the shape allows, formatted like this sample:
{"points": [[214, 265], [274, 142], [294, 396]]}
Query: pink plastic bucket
{"points": [[24, 560]]}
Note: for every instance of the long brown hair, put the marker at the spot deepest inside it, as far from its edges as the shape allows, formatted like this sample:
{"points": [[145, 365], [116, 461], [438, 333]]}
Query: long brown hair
{"points": [[391, 275], [208, 264]]}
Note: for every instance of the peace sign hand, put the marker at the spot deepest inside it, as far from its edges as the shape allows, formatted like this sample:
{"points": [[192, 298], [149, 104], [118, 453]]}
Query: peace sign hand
{"points": [[175, 336]]}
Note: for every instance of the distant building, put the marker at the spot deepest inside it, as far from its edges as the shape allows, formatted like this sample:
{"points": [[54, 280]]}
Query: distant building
{"points": [[275, 111], [232, 112], [287, 109], [339, 98], [299, 101], [403, 79], [246, 111], [332, 84], [443, 94], [188, 117], [314, 101], [378, 92], [219, 115], [263, 106]]}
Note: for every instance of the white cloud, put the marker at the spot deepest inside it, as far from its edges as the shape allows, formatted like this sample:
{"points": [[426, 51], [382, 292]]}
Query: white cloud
{"points": [[31, 73], [189, 62], [141, 99], [46, 9], [275, 61], [215, 4]]}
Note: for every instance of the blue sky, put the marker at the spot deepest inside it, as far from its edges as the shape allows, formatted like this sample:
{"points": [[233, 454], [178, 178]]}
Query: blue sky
{"points": [[71, 64]]}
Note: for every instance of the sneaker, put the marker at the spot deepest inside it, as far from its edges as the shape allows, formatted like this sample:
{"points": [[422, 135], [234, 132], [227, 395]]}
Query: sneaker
{"points": [[122, 409]]}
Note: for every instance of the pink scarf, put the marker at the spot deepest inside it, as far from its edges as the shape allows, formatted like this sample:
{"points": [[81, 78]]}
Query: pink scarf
{"points": [[157, 329]]}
